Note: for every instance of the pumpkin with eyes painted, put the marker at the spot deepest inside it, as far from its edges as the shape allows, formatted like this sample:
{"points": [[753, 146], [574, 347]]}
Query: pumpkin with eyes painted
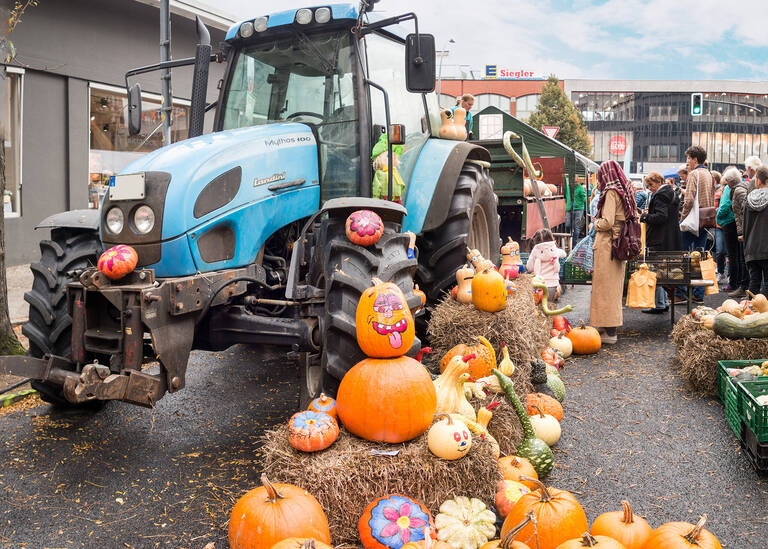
{"points": [[448, 438], [385, 327]]}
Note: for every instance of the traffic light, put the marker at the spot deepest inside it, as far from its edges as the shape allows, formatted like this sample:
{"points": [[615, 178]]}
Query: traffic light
{"points": [[696, 104]]}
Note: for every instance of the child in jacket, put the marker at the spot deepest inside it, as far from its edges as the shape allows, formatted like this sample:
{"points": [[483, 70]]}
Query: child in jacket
{"points": [[544, 261]]}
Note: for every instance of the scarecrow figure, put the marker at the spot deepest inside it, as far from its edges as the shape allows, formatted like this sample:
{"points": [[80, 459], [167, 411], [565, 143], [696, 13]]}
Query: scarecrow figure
{"points": [[379, 162]]}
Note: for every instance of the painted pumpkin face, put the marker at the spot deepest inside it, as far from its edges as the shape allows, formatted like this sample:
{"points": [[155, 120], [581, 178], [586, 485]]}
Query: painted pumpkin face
{"points": [[384, 323], [449, 439]]}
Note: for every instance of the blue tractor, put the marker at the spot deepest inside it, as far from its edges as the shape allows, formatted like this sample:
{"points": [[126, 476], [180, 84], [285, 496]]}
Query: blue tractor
{"points": [[240, 233]]}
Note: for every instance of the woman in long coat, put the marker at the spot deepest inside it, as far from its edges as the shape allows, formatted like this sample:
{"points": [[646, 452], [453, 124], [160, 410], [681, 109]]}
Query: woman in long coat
{"points": [[617, 202]]}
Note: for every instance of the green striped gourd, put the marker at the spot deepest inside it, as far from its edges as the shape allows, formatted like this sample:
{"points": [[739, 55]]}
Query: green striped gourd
{"points": [[532, 448]]}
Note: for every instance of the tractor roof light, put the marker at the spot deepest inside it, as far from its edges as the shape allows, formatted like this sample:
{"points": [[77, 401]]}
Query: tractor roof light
{"points": [[322, 15], [260, 24], [304, 16], [246, 30]]}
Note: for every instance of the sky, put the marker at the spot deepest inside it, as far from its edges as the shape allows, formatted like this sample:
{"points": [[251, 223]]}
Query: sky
{"points": [[602, 39]]}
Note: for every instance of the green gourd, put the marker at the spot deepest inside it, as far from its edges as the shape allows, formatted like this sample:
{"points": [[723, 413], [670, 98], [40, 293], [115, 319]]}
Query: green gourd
{"points": [[545, 302], [558, 387], [532, 448], [731, 327]]}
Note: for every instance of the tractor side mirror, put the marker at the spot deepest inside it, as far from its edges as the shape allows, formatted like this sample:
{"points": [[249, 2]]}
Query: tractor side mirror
{"points": [[420, 63], [134, 109]]}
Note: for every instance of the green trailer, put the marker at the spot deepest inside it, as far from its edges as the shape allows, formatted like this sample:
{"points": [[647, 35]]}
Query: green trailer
{"points": [[561, 165]]}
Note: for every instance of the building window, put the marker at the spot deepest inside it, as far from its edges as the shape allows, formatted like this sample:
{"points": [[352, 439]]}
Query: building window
{"points": [[526, 106], [598, 106], [11, 93], [491, 100], [111, 148], [663, 113], [662, 153]]}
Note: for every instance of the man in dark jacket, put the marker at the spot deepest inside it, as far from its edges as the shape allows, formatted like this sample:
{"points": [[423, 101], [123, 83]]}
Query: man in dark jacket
{"points": [[662, 231], [738, 198], [755, 227]]}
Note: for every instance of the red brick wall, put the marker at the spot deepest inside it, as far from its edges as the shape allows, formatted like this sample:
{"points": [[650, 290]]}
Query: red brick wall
{"points": [[507, 88]]}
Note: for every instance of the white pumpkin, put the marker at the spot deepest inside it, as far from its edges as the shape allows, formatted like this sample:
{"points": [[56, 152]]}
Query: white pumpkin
{"points": [[546, 427], [465, 523], [562, 344], [449, 438]]}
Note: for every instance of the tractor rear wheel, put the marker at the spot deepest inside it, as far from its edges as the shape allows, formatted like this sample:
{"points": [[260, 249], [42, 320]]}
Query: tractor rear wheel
{"points": [[472, 222], [49, 328], [345, 270]]}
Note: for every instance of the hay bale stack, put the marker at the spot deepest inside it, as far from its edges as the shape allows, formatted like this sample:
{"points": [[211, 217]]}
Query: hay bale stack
{"points": [[505, 427], [521, 325], [346, 477], [698, 350]]}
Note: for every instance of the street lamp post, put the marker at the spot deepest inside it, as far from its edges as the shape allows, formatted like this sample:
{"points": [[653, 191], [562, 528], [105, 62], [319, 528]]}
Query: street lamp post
{"points": [[444, 53]]}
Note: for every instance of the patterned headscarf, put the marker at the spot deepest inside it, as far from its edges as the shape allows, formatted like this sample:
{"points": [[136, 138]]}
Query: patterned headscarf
{"points": [[610, 176]]}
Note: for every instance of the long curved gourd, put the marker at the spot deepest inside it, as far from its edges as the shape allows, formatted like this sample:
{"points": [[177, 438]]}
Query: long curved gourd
{"points": [[545, 302], [532, 448], [731, 327], [477, 429]]}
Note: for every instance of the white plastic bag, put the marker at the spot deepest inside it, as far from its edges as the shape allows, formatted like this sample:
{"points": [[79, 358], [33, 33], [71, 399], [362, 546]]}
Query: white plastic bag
{"points": [[691, 222]]}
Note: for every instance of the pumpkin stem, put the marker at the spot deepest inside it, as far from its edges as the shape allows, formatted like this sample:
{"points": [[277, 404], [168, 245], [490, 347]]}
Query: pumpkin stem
{"points": [[308, 544], [587, 540], [428, 541], [693, 536], [629, 517], [470, 356], [538, 410], [509, 537], [376, 281], [546, 497], [440, 416], [582, 325], [272, 494], [750, 294]]}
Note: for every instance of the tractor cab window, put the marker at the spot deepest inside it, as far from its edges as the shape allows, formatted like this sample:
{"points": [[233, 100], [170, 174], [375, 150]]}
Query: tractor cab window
{"points": [[306, 79]]}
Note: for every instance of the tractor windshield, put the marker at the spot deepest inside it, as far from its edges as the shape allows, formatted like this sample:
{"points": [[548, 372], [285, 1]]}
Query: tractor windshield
{"points": [[302, 78]]}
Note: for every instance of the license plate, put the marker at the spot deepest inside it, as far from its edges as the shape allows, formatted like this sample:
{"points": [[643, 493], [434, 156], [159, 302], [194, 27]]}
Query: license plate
{"points": [[127, 187]]}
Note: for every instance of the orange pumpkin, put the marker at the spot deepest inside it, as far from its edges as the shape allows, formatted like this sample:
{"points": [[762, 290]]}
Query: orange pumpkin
{"points": [[559, 517], [324, 403], [478, 367], [274, 512], [118, 261], [301, 543], [384, 322], [623, 526], [364, 227], [514, 467], [311, 431], [387, 400], [585, 339], [428, 542], [507, 494], [422, 296], [507, 541], [489, 291], [393, 517], [682, 535], [549, 356], [545, 403], [588, 540]]}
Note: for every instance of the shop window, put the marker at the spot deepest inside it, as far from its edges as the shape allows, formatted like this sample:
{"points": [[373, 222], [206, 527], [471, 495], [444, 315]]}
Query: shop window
{"points": [[11, 93], [484, 100], [526, 106], [111, 147]]}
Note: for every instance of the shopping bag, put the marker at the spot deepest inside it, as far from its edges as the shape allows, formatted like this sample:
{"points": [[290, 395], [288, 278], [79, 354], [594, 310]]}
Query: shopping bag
{"points": [[641, 290], [582, 253], [709, 272], [691, 222]]}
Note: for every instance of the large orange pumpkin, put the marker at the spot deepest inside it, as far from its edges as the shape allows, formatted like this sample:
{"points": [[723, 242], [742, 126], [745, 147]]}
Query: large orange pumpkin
{"points": [[489, 291], [274, 512], [301, 543], [478, 367], [392, 521], [545, 403], [384, 322], [387, 400], [118, 261], [559, 517], [682, 535], [623, 526], [585, 339], [588, 540], [513, 467]]}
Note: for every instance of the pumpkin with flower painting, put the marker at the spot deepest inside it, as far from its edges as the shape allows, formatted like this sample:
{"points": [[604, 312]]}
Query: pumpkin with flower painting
{"points": [[364, 227], [118, 261]]}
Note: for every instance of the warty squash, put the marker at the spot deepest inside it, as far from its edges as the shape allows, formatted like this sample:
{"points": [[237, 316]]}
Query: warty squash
{"points": [[465, 523]]}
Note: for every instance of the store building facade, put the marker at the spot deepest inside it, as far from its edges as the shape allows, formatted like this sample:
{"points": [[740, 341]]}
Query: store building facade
{"points": [[63, 104]]}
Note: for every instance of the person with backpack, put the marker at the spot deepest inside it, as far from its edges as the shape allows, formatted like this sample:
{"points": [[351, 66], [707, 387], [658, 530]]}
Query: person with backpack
{"points": [[617, 239]]}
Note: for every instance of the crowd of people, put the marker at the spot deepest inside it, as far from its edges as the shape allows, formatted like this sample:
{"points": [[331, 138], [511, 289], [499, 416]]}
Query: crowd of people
{"points": [[725, 214]]}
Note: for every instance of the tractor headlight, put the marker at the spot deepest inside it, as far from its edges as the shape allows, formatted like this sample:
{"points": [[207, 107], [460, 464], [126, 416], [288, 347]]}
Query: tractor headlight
{"points": [[260, 24], [115, 220], [323, 15], [143, 219], [304, 16], [246, 29]]}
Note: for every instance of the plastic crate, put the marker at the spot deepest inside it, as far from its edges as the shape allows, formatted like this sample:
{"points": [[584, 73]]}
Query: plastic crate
{"points": [[756, 452], [754, 414], [724, 378], [733, 409], [670, 267]]}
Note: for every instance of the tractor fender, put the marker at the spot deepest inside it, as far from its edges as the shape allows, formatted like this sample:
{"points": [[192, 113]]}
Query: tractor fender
{"points": [[336, 207], [434, 180], [73, 219]]}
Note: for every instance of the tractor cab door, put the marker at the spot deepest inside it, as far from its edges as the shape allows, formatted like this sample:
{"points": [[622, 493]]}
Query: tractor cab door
{"points": [[385, 67]]}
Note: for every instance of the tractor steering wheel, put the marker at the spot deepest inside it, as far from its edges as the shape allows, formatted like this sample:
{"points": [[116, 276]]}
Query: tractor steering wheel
{"points": [[306, 113]]}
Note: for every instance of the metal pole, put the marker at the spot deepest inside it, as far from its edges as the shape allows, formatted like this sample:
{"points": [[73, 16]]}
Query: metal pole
{"points": [[166, 108]]}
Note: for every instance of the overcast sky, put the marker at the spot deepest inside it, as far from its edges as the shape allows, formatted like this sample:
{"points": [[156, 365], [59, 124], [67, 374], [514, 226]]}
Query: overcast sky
{"points": [[615, 39]]}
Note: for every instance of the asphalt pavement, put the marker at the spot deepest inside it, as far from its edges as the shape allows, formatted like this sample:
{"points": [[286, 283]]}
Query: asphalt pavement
{"points": [[132, 477]]}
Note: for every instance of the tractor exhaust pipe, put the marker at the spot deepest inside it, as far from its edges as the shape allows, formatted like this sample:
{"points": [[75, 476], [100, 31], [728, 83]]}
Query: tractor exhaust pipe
{"points": [[200, 79]]}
